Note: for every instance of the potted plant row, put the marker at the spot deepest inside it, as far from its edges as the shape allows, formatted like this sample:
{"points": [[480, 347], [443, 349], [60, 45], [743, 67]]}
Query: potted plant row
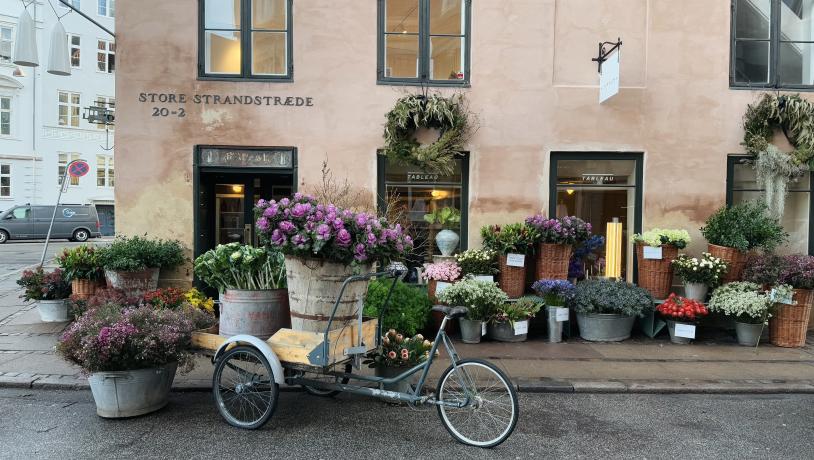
{"points": [[49, 290], [655, 251], [251, 283], [606, 309]]}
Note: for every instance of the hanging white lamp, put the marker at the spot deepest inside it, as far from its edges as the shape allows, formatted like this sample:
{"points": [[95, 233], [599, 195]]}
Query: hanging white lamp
{"points": [[25, 43], [59, 59]]}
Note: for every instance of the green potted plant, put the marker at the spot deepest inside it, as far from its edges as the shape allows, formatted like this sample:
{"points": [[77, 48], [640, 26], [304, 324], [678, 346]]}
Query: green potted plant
{"points": [[133, 263], [606, 309], [140, 345], [699, 275], [509, 322], [480, 297], [655, 251], [252, 286], [81, 267], [481, 263], [408, 309], [447, 218], [732, 231], [511, 242], [748, 305], [397, 354], [49, 290]]}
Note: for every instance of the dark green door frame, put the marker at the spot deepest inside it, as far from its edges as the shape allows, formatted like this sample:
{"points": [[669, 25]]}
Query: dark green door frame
{"points": [[638, 190]]}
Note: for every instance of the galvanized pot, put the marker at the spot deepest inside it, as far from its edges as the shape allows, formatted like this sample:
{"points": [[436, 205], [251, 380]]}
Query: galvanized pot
{"points": [[470, 330], [257, 313], [504, 332], [696, 291], [554, 326], [605, 327], [748, 334], [131, 393], [671, 327], [53, 311]]}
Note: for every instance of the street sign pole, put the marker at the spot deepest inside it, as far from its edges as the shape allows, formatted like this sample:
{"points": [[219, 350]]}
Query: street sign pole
{"points": [[62, 187]]}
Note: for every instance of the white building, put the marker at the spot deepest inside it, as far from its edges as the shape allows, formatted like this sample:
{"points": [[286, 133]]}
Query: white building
{"points": [[41, 115]]}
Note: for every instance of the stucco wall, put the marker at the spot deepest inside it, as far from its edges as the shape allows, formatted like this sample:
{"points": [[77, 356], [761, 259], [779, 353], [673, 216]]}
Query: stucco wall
{"points": [[533, 90]]}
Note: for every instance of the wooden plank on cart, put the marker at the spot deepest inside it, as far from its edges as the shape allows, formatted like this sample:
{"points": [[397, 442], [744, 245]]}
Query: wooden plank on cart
{"points": [[296, 346], [207, 339]]}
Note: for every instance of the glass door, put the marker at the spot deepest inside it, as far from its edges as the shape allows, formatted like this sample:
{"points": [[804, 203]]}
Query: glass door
{"points": [[230, 214]]}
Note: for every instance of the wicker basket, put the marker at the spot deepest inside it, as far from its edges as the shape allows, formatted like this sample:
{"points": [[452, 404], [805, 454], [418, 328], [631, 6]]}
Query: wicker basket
{"points": [[432, 285], [552, 261], [734, 258], [83, 289], [511, 279], [788, 325], [656, 275]]}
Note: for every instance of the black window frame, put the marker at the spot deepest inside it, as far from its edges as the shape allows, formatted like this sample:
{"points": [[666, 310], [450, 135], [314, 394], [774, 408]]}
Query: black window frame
{"points": [[735, 159], [245, 47], [774, 52], [424, 37]]}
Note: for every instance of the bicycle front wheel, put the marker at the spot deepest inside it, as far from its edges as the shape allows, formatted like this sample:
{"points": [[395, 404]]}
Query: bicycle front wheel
{"points": [[478, 404]]}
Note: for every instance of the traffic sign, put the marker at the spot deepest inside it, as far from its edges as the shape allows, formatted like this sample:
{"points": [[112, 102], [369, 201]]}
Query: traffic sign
{"points": [[78, 168]]}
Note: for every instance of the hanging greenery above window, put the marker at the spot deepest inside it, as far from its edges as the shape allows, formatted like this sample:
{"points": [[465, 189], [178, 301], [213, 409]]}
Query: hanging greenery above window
{"points": [[448, 115], [775, 169]]}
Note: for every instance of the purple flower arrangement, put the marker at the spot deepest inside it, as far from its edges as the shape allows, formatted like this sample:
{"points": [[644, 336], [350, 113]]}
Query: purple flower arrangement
{"points": [[555, 292], [561, 230], [798, 272], [586, 254], [302, 227]]}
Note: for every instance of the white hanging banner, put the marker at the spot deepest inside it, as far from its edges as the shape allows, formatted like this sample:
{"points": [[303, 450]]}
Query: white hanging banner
{"points": [[609, 77]]}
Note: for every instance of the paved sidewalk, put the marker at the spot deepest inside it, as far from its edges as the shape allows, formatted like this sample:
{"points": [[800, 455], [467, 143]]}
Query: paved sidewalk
{"points": [[717, 365]]}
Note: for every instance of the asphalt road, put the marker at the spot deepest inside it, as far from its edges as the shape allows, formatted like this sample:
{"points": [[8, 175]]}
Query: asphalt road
{"points": [[17, 255], [51, 424]]}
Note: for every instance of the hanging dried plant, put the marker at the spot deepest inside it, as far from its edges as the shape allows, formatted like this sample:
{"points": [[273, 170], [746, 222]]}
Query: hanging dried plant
{"points": [[775, 169]]}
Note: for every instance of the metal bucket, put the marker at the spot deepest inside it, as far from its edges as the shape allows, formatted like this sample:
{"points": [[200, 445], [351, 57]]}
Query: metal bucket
{"points": [[130, 393], [257, 313], [696, 291], [53, 311], [671, 327], [554, 326], [134, 283], [313, 287], [470, 330], [504, 332], [604, 327], [748, 334]]}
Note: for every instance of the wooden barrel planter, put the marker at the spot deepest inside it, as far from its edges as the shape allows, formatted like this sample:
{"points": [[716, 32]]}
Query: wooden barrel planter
{"points": [[83, 289], [789, 323], [258, 313], [313, 287], [734, 259], [552, 261], [512, 280], [656, 275], [133, 283]]}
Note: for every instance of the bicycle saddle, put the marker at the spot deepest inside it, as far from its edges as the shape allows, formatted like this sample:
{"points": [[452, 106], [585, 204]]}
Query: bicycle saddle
{"points": [[451, 312]]}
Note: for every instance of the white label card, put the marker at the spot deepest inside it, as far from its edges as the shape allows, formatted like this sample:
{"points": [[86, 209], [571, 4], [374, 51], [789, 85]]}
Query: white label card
{"points": [[786, 299], [516, 260], [652, 253], [521, 327], [440, 286], [563, 314], [482, 329], [488, 278], [685, 330]]}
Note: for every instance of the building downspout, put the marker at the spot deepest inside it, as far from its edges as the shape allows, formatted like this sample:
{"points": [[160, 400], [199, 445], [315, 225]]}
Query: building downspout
{"points": [[34, 121]]}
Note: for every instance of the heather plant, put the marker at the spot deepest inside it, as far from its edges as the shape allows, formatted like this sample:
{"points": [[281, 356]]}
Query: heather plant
{"points": [[41, 285], [663, 237], [480, 297], [763, 269], [602, 296], [798, 272], [561, 230], [555, 292], [477, 262], [302, 227], [441, 271]]}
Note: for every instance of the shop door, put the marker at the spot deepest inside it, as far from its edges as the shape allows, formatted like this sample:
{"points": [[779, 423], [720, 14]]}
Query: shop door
{"points": [[226, 205], [107, 219]]}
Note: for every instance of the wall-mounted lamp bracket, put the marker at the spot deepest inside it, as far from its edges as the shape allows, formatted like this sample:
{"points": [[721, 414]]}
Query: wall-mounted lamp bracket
{"points": [[604, 53]]}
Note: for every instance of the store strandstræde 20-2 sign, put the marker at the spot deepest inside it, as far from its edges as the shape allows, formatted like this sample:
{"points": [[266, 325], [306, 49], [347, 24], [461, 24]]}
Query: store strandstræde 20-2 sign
{"points": [[244, 158]]}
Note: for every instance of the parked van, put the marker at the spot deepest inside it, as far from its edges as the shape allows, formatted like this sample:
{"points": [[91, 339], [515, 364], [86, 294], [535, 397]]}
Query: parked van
{"points": [[76, 222]]}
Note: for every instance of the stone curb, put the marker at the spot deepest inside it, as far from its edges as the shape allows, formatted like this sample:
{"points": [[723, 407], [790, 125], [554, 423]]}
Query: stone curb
{"points": [[523, 385]]}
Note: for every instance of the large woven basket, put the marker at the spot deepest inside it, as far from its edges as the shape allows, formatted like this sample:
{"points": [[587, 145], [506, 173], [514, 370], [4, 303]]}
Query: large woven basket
{"points": [[734, 259], [83, 289], [511, 279], [789, 323], [656, 275], [552, 261]]}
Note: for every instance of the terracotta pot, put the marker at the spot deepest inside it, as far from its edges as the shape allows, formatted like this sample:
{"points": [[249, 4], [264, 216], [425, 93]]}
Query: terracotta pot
{"points": [[83, 289], [512, 280], [552, 261], [656, 275], [734, 258]]}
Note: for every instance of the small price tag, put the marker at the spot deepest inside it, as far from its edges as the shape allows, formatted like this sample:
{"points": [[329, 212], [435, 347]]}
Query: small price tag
{"points": [[521, 327], [685, 330], [440, 286], [482, 329], [652, 253], [488, 278], [777, 298], [563, 314], [516, 260]]}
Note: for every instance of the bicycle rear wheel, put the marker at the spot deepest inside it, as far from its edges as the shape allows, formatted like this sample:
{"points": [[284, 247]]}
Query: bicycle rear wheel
{"points": [[244, 388], [489, 408]]}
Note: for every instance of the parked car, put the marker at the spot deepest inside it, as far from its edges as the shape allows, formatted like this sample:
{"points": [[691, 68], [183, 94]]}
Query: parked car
{"points": [[76, 222]]}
